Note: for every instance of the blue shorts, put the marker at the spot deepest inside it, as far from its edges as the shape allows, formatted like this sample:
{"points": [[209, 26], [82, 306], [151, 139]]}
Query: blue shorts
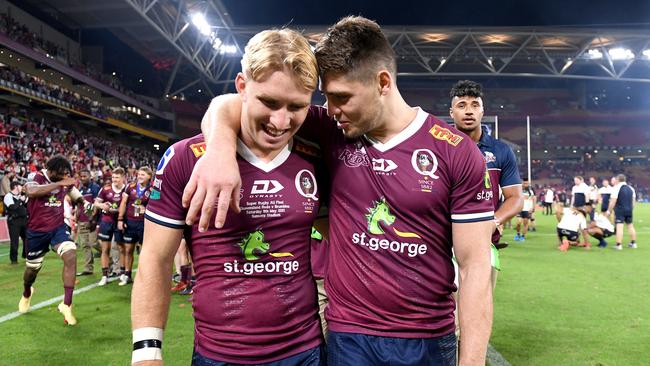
{"points": [[38, 243], [607, 233], [355, 349], [133, 232], [570, 235], [107, 230], [623, 217], [310, 357]]}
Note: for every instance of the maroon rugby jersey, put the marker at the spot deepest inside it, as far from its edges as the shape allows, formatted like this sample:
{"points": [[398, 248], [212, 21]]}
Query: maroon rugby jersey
{"points": [[112, 195], [138, 197], [46, 212], [254, 300], [392, 205]]}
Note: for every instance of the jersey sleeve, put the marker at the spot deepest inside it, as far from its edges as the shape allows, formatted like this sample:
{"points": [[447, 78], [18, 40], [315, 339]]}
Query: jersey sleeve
{"points": [[583, 223], [172, 174], [615, 191], [8, 200], [101, 195], [37, 179], [318, 127], [470, 183], [509, 172]]}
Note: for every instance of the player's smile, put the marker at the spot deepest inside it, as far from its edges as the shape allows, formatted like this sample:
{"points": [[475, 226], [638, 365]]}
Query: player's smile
{"points": [[273, 132]]}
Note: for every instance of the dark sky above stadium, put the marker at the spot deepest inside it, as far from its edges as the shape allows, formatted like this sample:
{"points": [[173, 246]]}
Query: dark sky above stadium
{"points": [[444, 13]]}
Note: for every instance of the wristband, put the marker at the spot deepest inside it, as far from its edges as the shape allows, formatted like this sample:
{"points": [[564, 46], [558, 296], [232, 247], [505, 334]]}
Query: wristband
{"points": [[147, 344]]}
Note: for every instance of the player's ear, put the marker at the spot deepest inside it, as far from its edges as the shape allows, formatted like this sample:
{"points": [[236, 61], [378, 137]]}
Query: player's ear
{"points": [[240, 85], [385, 80]]}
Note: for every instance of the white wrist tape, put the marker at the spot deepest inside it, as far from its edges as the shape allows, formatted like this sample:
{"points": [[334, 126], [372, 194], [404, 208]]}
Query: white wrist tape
{"points": [[147, 343], [146, 354]]}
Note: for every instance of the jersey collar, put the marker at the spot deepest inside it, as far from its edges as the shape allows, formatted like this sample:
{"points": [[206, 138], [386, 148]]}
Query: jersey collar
{"points": [[485, 140], [251, 158], [409, 131]]}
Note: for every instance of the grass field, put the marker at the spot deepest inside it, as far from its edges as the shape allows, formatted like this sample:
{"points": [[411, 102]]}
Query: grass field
{"points": [[551, 308]]}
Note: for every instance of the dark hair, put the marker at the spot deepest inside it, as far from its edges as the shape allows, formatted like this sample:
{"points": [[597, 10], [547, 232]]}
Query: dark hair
{"points": [[466, 88], [58, 164], [14, 184], [355, 47], [84, 171]]}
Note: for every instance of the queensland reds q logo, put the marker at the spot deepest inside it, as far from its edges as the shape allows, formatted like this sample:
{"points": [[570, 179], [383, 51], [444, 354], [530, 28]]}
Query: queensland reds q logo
{"points": [[306, 184], [425, 162]]}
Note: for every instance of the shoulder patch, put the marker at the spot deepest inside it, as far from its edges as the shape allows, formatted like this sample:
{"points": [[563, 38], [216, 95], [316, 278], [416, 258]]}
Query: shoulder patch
{"points": [[306, 148], [167, 156], [445, 134], [198, 149]]}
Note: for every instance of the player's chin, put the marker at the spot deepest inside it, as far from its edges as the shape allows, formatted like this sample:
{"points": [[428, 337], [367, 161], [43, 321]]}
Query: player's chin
{"points": [[352, 133]]}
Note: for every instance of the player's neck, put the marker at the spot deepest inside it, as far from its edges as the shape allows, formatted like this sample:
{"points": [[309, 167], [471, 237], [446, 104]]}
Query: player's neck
{"points": [[474, 134], [396, 116], [264, 155], [117, 187]]}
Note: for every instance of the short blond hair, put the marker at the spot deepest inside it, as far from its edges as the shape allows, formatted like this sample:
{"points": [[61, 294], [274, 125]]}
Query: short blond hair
{"points": [[276, 49], [147, 171]]}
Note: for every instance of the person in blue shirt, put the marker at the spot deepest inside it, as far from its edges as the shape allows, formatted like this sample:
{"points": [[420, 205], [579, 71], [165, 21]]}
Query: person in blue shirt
{"points": [[621, 202], [467, 112]]}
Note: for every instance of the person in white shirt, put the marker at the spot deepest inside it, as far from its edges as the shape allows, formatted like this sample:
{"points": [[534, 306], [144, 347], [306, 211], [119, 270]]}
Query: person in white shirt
{"points": [[604, 193], [523, 219], [571, 222], [549, 198], [592, 197], [579, 192], [601, 228]]}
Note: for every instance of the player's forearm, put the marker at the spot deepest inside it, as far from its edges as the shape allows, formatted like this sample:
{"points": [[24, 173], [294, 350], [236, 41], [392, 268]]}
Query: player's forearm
{"points": [[122, 210], [150, 296], [472, 248], [35, 191], [221, 123], [475, 313], [509, 208]]}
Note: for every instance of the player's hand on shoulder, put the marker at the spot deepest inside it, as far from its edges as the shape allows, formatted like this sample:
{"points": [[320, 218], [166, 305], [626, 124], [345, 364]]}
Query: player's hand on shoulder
{"points": [[215, 179]]}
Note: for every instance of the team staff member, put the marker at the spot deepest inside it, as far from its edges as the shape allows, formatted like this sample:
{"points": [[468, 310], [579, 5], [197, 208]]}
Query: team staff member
{"points": [[622, 203], [16, 208]]}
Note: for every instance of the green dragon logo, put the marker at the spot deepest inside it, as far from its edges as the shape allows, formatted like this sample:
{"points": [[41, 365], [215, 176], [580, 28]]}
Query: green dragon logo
{"points": [[380, 212], [486, 180], [253, 245]]}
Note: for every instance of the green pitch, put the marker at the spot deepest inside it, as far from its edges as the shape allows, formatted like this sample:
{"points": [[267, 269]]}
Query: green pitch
{"points": [[551, 308]]}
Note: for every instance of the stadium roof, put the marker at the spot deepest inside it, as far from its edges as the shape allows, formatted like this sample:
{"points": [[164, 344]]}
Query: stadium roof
{"points": [[496, 45]]}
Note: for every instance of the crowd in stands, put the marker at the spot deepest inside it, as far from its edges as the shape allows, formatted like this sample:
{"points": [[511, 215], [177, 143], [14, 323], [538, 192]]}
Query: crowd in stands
{"points": [[25, 146], [20, 33], [47, 90]]}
